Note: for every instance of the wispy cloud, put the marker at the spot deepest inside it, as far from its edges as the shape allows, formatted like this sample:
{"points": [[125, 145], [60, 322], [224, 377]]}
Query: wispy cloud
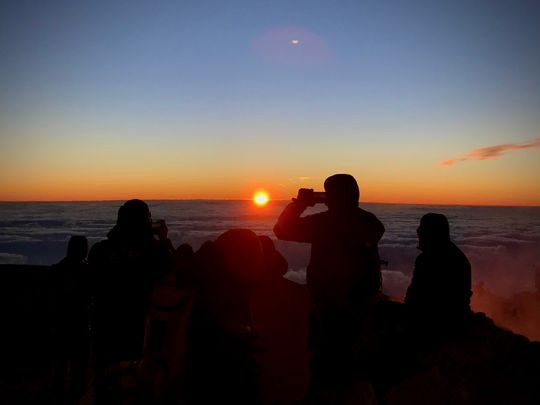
{"points": [[491, 152], [293, 181]]}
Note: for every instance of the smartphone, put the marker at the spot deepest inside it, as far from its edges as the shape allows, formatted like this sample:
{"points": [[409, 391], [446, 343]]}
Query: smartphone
{"points": [[310, 197]]}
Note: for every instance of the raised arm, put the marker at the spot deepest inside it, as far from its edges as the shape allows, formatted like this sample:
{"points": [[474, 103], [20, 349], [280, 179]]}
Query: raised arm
{"points": [[290, 226]]}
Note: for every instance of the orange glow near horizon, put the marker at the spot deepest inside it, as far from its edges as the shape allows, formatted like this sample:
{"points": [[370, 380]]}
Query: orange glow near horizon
{"points": [[260, 198], [373, 196], [437, 187]]}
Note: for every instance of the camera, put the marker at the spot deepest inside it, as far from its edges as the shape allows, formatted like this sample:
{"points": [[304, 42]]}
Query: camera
{"points": [[309, 197]]}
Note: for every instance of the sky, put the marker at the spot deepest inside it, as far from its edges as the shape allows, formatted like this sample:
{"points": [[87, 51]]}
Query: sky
{"points": [[422, 101]]}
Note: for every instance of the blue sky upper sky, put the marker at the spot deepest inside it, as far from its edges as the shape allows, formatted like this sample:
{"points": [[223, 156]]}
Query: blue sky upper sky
{"points": [[216, 90]]}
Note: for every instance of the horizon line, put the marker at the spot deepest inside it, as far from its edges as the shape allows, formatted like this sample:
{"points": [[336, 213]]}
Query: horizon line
{"points": [[273, 200]]}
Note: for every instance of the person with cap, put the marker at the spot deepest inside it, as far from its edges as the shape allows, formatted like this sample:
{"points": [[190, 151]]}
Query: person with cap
{"points": [[343, 274]]}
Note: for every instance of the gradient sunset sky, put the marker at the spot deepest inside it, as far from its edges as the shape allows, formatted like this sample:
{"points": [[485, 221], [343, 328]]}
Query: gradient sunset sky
{"points": [[422, 101]]}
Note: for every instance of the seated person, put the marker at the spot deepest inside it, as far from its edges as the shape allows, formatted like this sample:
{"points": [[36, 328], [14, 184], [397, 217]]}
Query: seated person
{"points": [[439, 295]]}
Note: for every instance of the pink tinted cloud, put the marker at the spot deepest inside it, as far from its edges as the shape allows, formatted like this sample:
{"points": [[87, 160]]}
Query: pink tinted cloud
{"points": [[491, 152], [276, 46]]}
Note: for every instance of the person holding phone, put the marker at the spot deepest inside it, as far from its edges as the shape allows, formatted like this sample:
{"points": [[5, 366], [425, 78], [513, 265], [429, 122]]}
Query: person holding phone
{"points": [[343, 274], [124, 269]]}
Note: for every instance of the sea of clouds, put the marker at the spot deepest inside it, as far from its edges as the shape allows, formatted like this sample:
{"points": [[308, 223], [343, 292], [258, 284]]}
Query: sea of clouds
{"points": [[502, 243]]}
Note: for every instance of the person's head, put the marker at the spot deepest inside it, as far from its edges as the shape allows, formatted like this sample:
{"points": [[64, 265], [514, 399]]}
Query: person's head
{"points": [[77, 247], [341, 191], [134, 215], [434, 230], [243, 254]]}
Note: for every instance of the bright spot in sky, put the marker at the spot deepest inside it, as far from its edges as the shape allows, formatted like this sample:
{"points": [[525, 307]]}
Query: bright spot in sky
{"points": [[260, 198], [295, 42]]}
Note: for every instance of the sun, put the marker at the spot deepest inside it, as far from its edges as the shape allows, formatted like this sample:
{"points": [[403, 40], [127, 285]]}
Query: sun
{"points": [[260, 198]]}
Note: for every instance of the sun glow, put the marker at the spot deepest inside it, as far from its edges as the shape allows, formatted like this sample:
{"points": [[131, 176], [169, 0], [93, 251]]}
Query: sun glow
{"points": [[260, 198]]}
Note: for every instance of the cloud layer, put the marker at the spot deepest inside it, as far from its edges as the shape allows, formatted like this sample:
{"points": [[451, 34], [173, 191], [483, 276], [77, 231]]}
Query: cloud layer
{"points": [[491, 152]]}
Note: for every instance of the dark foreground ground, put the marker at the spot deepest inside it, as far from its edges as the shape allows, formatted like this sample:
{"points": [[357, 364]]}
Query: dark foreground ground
{"points": [[489, 365]]}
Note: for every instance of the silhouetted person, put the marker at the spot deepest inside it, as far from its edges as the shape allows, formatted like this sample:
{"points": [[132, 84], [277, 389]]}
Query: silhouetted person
{"points": [[72, 299], [220, 362], [125, 268], [439, 295], [343, 275]]}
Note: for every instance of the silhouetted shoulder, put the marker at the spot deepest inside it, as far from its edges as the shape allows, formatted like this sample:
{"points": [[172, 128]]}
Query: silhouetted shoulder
{"points": [[420, 260], [97, 249], [376, 225], [459, 255], [99, 252]]}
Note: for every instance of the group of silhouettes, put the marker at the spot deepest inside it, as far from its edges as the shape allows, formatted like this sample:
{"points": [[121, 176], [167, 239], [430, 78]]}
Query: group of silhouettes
{"points": [[222, 325]]}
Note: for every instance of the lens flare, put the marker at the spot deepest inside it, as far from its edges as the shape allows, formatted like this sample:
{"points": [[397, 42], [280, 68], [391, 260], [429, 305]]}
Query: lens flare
{"points": [[260, 198]]}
